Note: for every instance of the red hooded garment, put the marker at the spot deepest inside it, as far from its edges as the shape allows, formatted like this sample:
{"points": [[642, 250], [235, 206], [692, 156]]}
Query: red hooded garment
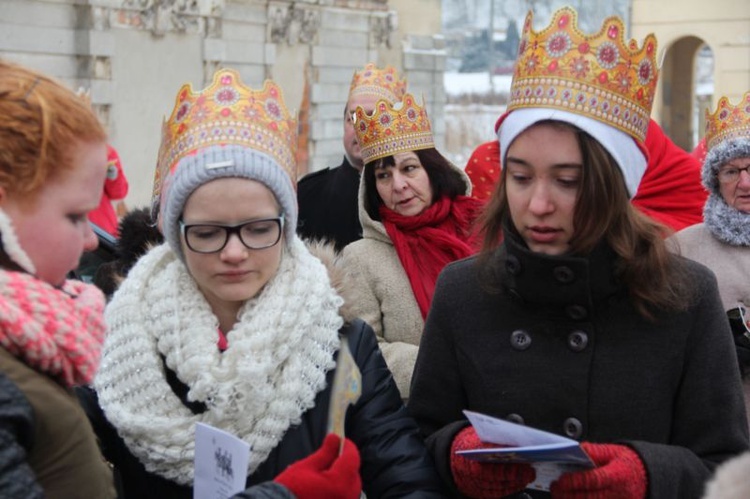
{"points": [[670, 191], [115, 188]]}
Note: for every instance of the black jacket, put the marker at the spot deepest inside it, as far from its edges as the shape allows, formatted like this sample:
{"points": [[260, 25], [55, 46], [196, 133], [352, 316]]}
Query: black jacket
{"points": [[561, 347], [395, 462], [328, 208]]}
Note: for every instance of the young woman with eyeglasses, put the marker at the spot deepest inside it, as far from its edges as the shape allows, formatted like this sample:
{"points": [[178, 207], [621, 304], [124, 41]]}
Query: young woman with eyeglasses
{"points": [[236, 324]]}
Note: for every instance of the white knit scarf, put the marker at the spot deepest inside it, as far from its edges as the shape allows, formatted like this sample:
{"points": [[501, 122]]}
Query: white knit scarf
{"points": [[276, 362]]}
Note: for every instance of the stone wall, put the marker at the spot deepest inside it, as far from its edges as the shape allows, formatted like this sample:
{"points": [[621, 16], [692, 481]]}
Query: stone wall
{"points": [[135, 54]]}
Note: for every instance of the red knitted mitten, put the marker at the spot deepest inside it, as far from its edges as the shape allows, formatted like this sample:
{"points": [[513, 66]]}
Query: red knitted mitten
{"points": [[619, 474], [485, 480], [324, 474]]}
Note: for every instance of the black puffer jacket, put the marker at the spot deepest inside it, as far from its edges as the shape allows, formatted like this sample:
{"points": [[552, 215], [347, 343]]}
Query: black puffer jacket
{"points": [[395, 462]]}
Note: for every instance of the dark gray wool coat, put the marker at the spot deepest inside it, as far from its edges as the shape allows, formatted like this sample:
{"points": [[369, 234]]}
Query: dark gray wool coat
{"points": [[560, 347]]}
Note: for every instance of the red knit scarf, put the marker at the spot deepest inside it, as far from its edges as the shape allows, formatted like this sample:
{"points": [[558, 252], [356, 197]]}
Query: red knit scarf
{"points": [[427, 242], [55, 331]]}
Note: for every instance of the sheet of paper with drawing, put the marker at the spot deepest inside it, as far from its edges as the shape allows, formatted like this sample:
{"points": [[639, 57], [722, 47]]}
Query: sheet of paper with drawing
{"points": [[550, 454]]}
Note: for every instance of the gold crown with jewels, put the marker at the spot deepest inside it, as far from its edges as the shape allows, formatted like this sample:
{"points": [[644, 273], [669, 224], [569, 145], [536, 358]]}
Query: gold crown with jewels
{"points": [[598, 76], [382, 83], [227, 112], [728, 122], [392, 128]]}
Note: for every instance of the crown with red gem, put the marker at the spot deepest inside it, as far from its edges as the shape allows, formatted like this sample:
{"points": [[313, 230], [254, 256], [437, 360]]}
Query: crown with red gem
{"points": [[227, 112], [382, 83], [728, 122], [392, 128], [598, 76]]}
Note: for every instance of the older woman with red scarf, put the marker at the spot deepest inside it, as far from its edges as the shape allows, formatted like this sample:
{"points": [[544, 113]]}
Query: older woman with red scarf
{"points": [[416, 217]]}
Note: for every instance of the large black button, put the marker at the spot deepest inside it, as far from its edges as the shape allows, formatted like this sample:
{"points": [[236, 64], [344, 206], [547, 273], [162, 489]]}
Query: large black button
{"points": [[563, 274], [512, 265], [578, 340], [520, 340], [576, 312], [573, 428], [515, 418]]}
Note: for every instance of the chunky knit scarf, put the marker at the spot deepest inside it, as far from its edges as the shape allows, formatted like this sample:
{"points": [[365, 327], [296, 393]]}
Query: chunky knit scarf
{"points": [[427, 242], [276, 362], [57, 331]]}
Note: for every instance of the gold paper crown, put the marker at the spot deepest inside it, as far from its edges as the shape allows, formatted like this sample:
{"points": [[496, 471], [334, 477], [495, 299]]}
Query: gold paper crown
{"points": [[598, 76], [382, 83], [392, 128], [728, 122], [227, 113]]}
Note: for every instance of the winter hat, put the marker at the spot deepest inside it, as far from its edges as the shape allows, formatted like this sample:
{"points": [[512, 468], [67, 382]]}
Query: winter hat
{"points": [[225, 130], [598, 83]]}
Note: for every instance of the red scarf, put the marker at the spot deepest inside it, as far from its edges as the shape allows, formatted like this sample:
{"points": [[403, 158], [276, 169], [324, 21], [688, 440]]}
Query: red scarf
{"points": [[427, 242]]}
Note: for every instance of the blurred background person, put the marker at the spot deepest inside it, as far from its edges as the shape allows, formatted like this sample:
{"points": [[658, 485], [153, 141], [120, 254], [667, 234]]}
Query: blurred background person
{"points": [[115, 189]]}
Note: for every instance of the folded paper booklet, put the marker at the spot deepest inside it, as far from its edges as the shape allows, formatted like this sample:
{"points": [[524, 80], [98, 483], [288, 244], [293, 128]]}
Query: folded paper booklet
{"points": [[550, 454]]}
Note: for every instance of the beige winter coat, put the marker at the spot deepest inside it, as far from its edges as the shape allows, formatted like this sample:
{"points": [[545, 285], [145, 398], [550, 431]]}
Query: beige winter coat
{"points": [[731, 264], [383, 295]]}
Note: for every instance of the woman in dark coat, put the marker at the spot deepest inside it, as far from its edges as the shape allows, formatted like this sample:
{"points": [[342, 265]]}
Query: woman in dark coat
{"points": [[575, 318]]}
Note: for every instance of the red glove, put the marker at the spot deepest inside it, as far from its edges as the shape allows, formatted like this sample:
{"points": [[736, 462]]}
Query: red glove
{"points": [[619, 474], [324, 474], [485, 480]]}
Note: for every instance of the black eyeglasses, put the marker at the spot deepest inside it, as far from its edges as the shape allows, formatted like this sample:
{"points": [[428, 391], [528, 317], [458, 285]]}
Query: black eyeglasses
{"points": [[211, 238], [732, 174]]}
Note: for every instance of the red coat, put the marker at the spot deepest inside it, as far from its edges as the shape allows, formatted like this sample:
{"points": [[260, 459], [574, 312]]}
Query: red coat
{"points": [[670, 191], [115, 187]]}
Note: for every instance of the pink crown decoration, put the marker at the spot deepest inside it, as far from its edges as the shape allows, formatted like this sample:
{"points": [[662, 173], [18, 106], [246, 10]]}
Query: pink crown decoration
{"points": [[227, 113], [392, 128], [728, 122], [598, 76], [382, 83]]}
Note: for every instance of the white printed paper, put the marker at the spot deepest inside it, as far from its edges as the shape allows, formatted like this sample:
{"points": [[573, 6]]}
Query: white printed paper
{"points": [[220, 463]]}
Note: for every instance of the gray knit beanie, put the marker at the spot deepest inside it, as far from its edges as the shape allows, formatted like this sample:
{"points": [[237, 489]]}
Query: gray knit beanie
{"points": [[221, 161]]}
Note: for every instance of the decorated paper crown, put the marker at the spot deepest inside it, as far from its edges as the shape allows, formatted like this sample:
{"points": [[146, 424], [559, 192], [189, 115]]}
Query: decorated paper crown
{"points": [[728, 122], [227, 113], [598, 76], [392, 128], [382, 83]]}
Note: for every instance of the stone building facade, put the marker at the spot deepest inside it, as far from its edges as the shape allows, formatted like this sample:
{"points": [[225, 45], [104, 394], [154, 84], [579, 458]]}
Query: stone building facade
{"points": [[133, 55]]}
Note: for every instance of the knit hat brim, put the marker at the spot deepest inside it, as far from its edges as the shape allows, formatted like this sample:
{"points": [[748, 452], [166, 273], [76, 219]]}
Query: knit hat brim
{"points": [[623, 148], [216, 162]]}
